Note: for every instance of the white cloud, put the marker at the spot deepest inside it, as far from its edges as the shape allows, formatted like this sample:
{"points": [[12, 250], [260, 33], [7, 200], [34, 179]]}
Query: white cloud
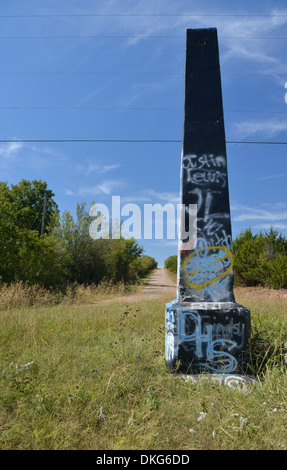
{"points": [[106, 187], [91, 168], [267, 226], [10, 149], [261, 215], [134, 199], [144, 25], [151, 196], [163, 242], [172, 198], [261, 50], [254, 214], [267, 128], [240, 49], [270, 177], [25, 155]]}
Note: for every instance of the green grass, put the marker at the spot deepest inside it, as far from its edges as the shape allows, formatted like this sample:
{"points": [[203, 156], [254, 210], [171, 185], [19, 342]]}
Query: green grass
{"points": [[94, 377]]}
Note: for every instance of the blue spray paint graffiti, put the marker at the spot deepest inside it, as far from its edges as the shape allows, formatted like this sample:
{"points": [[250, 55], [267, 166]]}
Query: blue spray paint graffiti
{"points": [[215, 350], [203, 338], [206, 330], [207, 266]]}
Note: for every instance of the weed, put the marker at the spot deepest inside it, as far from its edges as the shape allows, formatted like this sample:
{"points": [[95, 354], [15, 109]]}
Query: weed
{"points": [[93, 376]]}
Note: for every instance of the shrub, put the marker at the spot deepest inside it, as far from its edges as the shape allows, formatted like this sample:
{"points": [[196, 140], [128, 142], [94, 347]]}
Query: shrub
{"points": [[260, 259], [171, 263]]}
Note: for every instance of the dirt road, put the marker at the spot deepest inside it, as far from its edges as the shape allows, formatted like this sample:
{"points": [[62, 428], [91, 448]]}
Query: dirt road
{"points": [[158, 285]]}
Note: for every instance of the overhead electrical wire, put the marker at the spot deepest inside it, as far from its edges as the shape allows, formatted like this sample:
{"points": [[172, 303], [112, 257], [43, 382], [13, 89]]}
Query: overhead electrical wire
{"points": [[132, 73], [123, 108], [187, 15], [127, 141], [142, 73], [136, 37]]}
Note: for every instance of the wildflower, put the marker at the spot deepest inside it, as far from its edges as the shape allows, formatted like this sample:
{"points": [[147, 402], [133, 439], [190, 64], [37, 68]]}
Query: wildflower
{"points": [[23, 365], [243, 421], [202, 416], [101, 414]]}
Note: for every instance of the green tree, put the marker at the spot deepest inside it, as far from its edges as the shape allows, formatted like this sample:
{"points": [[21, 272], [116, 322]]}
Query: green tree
{"points": [[20, 208], [143, 265], [121, 255], [171, 263], [260, 259], [66, 252], [9, 234], [28, 202], [86, 260], [77, 250]]}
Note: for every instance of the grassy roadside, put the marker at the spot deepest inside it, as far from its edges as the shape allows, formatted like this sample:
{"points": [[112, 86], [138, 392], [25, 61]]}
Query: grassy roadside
{"points": [[22, 295], [171, 276], [94, 377]]}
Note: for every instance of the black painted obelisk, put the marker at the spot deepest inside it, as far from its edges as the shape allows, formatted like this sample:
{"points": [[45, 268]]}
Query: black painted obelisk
{"points": [[206, 330]]}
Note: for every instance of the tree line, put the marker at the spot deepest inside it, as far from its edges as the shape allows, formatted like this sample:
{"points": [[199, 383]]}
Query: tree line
{"points": [[259, 259], [58, 249]]}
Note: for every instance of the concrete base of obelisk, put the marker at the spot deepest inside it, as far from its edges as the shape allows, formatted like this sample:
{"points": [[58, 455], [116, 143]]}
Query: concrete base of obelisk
{"points": [[206, 337]]}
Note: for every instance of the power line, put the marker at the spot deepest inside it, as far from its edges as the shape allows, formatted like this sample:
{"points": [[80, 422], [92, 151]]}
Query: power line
{"points": [[187, 15], [142, 73], [87, 108], [89, 140], [92, 73], [254, 74], [261, 111], [255, 142], [37, 215], [135, 37], [124, 108], [127, 141]]}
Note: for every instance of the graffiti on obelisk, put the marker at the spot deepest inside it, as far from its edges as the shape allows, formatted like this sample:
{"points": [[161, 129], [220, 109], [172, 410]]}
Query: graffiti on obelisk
{"points": [[205, 328]]}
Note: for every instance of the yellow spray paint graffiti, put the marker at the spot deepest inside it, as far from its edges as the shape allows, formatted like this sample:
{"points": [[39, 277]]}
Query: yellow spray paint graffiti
{"points": [[206, 265]]}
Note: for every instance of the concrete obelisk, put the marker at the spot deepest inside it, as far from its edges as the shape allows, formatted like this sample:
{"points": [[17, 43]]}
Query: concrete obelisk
{"points": [[206, 330]]}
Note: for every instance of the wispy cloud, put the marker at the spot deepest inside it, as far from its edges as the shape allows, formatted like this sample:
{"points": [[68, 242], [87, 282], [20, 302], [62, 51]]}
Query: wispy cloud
{"points": [[270, 177], [253, 27], [150, 196], [145, 25], [255, 213], [96, 92], [107, 187], [260, 215], [267, 128], [91, 168], [10, 149], [14, 155], [277, 226], [163, 196], [172, 243]]}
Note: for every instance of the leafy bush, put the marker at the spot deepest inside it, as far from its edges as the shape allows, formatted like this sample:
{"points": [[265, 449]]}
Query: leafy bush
{"points": [[260, 259], [171, 263], [143, 265], [64, 253]]}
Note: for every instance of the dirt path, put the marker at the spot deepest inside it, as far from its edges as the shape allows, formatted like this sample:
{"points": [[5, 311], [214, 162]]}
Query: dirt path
{"points": [[159, 285]]}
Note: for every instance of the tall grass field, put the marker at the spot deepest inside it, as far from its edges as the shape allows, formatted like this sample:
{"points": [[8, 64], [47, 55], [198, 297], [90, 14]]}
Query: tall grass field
{"points": [[90, 375]]}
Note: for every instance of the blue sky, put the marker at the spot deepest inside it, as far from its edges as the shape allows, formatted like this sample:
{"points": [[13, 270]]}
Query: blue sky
{"points": [[60, 82]]}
